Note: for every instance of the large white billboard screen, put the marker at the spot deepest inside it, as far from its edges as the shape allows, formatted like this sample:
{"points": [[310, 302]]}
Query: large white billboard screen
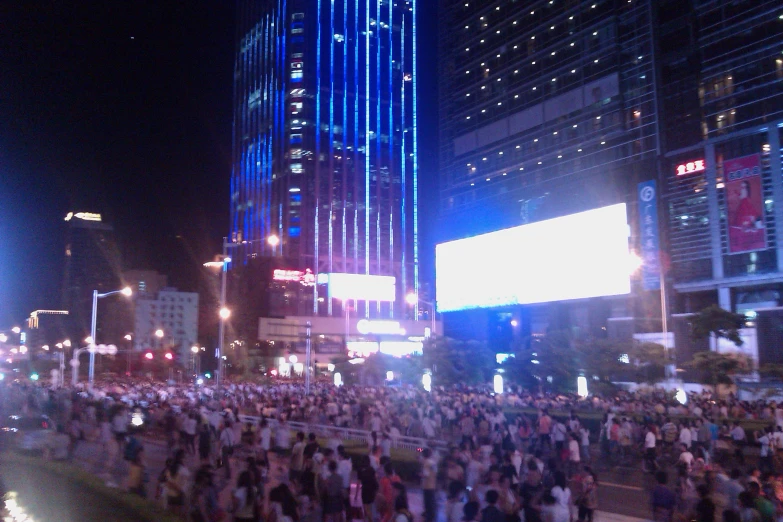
{"points": [[362, 287], [570, 257]]}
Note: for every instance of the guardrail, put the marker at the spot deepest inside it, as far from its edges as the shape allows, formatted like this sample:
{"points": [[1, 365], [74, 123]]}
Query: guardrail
{"points": [[324, 430]]}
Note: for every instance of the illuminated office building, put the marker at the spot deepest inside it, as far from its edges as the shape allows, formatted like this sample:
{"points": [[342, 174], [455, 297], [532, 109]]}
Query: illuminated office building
{"points": [[547, 108], [722, 68], [325, 141]]}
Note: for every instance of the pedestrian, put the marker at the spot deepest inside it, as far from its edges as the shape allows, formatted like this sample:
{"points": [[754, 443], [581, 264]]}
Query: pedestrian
{"points": [[491, 513], [705, 507], [244, 507], [226, 447], [663, 501], [587, 502], [205, 444], [429, 472], [176, 479], [368, 489], [333, 499], [137, 475]]}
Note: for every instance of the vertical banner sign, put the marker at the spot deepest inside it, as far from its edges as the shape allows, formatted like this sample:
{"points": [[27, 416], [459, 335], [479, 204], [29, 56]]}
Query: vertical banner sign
{"points": [[745, 204], [648, 225]]}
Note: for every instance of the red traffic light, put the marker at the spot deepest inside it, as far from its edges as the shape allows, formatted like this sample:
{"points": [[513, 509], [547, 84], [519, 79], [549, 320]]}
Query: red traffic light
{"points": [[169, 356], [148, 355]]}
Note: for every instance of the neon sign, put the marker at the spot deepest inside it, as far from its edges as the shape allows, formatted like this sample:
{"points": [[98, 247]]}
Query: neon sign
{"points": [[690, 167], [365, 327], [86, 216], [306, 278]]}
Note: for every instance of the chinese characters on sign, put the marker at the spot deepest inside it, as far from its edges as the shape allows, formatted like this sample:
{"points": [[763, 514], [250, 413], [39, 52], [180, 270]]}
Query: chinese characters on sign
{"points": [[648, 227], [745, 204], [690, 167]]}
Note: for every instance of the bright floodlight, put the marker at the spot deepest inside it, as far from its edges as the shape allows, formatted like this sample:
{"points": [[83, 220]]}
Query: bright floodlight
{"points": [[158, 333], [293, 359], [514, 323], [3, 338], [634, 263], [45, 347], [16, 329], [571, 257], [89, 340], [273, 240], [194, 349], [497, 384], [681, 396], [426, 382], [225, 313], [330, 367], [338, 379], [128, 337], [411, 299], [67, 343], [127, 292], [389, 375], [59, 345], [581, 386]]}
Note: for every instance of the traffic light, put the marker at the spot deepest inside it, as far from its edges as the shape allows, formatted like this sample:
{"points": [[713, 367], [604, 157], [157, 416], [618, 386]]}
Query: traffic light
{"points": [[148, 356], [169, 356]]}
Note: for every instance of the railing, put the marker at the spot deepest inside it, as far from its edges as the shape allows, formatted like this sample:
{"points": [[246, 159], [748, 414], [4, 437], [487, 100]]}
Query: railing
{"points": [[323, 430]]}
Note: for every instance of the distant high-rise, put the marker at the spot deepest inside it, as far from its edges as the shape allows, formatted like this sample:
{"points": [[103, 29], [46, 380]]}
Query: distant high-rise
{"points": [[92, 262], [325, 141]]}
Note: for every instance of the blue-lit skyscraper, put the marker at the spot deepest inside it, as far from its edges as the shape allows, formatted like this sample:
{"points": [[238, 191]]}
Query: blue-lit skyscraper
{"points": [[324, 146]]}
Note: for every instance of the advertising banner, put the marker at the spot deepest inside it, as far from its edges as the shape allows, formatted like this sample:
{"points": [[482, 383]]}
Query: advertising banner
{"points": [[745, 204], [648, 227]]}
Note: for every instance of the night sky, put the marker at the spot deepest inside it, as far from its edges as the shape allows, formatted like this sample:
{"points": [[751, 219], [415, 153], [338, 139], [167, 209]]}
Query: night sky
{"points": [[124, 108]]}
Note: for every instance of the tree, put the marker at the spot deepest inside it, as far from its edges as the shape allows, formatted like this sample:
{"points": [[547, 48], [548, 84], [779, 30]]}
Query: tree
{"points": [[718, 368], [650, 361], [715, 322], [772, 371], [454, 361]]}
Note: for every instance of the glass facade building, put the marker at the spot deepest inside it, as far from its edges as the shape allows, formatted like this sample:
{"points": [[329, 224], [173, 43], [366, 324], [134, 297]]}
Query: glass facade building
{"points": [[325, 141], [722, 75], [548, 108]]}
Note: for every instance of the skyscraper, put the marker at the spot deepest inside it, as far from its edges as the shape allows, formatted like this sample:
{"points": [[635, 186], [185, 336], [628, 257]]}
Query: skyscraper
{"points": [[92, 262], [324, 147], [548, 108]]}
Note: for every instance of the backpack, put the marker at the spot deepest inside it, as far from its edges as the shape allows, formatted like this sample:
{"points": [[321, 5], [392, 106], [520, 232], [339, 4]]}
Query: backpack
{"points": [[132, 449]]}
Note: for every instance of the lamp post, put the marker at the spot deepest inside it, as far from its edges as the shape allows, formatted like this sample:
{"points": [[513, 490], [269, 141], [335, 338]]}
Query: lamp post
{"points": [[129, 338], [413, 299], [194, 350], [127, 292], [224, 313]]}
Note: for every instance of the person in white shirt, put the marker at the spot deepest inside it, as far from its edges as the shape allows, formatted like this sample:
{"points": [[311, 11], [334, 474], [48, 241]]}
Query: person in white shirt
{"points": [[585, 443], [765, 453], [650, 453], [685, 436], [686, 458], [227, 442], [737, 434]]}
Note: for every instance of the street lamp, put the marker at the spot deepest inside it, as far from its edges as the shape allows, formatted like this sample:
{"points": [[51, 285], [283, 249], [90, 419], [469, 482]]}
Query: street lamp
{"points": [[225, 313], [16, 330], [127, 292], [413, 299], [159, 333], [67, 343]]}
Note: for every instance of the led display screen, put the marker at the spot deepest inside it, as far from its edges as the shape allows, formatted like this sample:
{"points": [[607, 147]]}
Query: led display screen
{"points": [[571, 257], [361, 287]]}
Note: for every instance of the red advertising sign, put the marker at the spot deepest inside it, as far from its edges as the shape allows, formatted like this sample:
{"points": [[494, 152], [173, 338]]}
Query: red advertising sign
{"points": [[745, 204]]}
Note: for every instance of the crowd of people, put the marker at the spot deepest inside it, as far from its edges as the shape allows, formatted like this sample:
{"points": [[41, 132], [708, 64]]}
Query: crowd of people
{"points": [[273, 452]]}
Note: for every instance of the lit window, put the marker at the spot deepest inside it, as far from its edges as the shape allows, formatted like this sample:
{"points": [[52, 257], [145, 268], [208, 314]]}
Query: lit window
{"points": [[339, 38], [296, 153], [296, 76]]}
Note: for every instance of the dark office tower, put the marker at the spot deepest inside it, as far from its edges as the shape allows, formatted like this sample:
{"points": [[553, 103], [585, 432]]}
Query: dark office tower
{"points": [[92, 262], [548, 108], [325, 152]]}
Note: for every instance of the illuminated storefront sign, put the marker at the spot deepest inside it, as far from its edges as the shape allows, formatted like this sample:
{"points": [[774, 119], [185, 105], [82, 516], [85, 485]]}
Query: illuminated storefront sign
{"points": [[365, 326], [690, 167], [306, 278]]}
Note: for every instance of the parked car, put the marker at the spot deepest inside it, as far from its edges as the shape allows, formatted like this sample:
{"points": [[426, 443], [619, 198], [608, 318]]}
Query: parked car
{"points": [[28, 433]]}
